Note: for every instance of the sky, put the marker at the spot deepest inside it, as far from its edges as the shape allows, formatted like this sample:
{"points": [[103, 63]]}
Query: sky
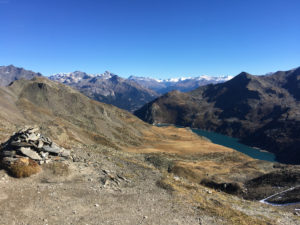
{"points": [[152, 38]]}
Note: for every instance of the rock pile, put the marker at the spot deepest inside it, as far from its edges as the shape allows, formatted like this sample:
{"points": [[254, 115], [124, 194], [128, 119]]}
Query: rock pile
{"points": [[28, 143]]}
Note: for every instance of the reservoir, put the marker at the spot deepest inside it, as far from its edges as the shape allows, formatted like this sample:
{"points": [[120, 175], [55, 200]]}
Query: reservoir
{"points": [[233, 143]]}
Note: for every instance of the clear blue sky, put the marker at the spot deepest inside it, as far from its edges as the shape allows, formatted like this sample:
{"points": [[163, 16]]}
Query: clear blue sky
{"points": [[156, 38]]}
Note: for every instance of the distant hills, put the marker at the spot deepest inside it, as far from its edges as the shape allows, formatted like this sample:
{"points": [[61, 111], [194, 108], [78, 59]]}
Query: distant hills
{"points": [[263, 111]]}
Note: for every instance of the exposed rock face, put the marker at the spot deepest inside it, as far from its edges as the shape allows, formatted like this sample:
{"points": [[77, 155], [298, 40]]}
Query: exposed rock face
{"points": [[108, 88], [28, 143], [263, 111], [11, 73]]}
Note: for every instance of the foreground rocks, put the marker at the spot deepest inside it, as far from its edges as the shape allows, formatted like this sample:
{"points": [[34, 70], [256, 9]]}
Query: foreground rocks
{"points": [[27, 149]]}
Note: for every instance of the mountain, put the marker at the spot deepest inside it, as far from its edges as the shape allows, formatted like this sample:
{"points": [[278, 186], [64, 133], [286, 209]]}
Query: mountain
{"points": [[161, 175], [11, 73], [263, 111], [108, 88], [64, 112], [182, 84], [129, 94]]}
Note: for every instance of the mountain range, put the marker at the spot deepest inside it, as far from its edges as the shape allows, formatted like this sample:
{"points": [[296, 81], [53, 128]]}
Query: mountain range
{"points": [[129, 94], [262, 111], [183, 84], [108, 88], [140, 172]]}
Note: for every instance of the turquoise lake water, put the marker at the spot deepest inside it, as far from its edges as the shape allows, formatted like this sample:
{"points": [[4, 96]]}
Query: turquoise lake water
{"points": [[234, 144]]}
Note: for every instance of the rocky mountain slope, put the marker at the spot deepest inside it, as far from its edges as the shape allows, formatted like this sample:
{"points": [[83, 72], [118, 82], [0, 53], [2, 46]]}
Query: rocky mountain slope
{"points": [[108, 88], [122, 170], [263, 111], [183, 84], [11, 73], [53, 105], [131, 93]]}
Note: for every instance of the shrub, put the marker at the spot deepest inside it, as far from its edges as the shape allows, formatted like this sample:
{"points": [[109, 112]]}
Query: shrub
{"points": [[24, 167]]}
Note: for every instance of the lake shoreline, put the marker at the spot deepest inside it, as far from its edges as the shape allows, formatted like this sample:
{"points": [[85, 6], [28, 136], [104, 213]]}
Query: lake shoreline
{"points": [[230, 142]]}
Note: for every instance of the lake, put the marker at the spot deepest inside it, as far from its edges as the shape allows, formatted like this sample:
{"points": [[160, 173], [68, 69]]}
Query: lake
{"points": [[234, 144]]}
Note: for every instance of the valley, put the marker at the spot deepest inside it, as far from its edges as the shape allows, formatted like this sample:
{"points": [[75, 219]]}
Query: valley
{"points": [[122, 165], [149, 112]]}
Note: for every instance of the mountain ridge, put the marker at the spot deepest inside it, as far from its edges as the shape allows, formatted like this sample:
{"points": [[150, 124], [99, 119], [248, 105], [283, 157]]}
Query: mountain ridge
{"points": [[11, 73], [108, 88], [262, 111]]}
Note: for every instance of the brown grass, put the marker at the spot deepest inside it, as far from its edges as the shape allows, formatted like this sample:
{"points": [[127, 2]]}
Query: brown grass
{"points": [[217, 204], [176, 141], [24, 167]]}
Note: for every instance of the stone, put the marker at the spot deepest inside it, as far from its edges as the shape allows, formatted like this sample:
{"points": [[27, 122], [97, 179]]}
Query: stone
{"points": [[32, 130], [176, 178], [40, 144], [30, 153], [48, 160], [8, 153], [44, 155], [46, 140], [20, 144], [50, 149], [32, 137], [65, 153]]}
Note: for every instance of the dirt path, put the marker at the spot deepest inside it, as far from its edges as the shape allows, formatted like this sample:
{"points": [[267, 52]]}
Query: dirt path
{"points": [[281, 192]]}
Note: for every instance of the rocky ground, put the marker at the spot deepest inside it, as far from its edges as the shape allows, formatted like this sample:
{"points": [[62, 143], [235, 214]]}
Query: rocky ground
{"points": [[104, 186], [90, 191]]}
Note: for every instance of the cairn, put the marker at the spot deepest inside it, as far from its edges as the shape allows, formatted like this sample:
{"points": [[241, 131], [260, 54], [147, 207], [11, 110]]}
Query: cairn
{"points": [[30, 147]]}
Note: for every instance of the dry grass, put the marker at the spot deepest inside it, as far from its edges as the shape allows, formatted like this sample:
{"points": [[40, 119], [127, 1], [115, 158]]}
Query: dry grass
{"points": [[217, 204], [176, 141], [24, 167]]}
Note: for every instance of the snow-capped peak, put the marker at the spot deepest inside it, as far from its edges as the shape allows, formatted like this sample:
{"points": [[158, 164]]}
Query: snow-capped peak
{"points": [[180, 79]]}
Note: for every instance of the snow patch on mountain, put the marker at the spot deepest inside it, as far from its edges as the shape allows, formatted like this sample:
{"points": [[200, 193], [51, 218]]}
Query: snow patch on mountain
{"points": [[78, 76]]}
